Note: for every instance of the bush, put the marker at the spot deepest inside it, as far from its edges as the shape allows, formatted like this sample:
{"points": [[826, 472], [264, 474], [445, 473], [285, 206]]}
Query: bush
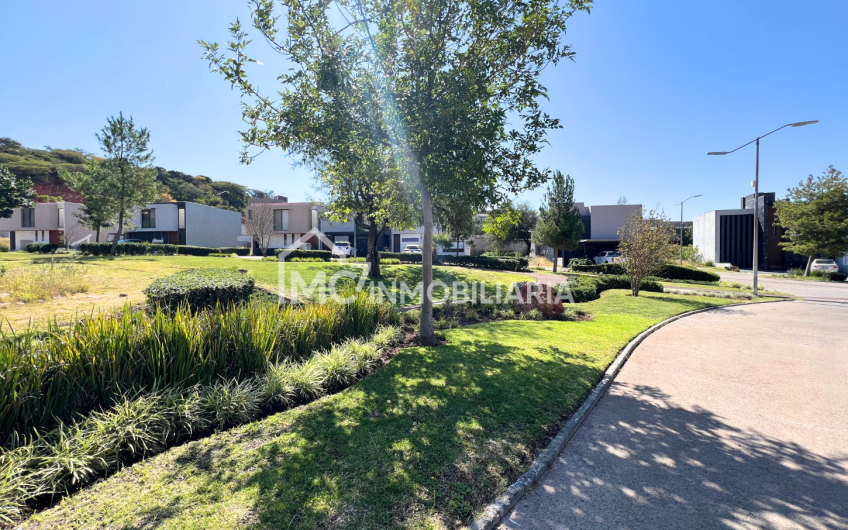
{"points": [[128, 249], [239, 251], [500, 253], [43, 248], [573, 262], [509, 264], [5, 245], [709, 263], [404, 258], [588, 288], [200, 288], [306, 260], [187, 250], [668, 272], [837, 276], [324, 255]]}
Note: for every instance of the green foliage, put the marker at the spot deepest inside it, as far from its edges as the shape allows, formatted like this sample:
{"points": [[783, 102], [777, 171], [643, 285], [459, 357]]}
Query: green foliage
{"points": [[579, 262], [324, 255], [645, 244], [102, 356], [667, 271], [219, 255], [560, 225], [38, 166], [13, 193], [588, 288], [512, 222], [131, 249], [815, 215], [200, 288], [4, 244], [836, 276], [98, 207], [188, 250], [240, 251], [42, 248], [507, 264]]}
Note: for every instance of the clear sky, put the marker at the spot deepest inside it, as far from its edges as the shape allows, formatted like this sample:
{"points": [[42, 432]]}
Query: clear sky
{"points": [[655, 85]]}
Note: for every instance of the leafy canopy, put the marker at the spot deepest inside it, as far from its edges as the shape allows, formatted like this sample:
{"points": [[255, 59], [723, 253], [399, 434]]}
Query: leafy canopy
{"points": [[13, 193], [560, 225]]}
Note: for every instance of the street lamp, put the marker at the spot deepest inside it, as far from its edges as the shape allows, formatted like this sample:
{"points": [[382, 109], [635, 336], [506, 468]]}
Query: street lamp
{"points": [[757, 189], [681, 227]]}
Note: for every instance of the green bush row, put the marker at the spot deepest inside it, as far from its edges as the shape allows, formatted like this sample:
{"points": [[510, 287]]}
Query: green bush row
{"points": [[668, 272], [142, 249], [508, 264], [324, 255], [63, 371], [403, 257], [588, 288], [239, 251], [43, 248], [143, 424], [200, 288]]}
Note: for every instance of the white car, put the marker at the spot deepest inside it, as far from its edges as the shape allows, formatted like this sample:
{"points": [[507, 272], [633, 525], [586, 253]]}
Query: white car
{"points": [[608, 256], [824, 265], [412, 249], [343, 249]]}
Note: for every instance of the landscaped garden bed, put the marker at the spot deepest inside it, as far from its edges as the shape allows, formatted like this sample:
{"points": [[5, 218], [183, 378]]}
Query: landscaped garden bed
{"points": [[424, 442]]}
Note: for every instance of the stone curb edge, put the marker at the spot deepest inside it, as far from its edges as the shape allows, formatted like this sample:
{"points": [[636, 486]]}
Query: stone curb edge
{"points": [[494, 513]]}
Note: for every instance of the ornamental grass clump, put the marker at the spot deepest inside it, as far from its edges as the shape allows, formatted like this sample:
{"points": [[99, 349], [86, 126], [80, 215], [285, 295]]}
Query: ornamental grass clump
{"points": [[52, 375]]}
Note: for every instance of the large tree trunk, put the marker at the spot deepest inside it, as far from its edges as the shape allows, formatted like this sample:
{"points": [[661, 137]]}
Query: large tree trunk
{"points": [[556, 258], [373, 256], [457, 247], [809, 265], [120, 230], [426, 334]]}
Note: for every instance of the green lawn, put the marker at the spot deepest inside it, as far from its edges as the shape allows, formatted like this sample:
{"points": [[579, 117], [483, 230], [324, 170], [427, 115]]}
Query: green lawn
{"points": [[425, 442], [114, 282]]}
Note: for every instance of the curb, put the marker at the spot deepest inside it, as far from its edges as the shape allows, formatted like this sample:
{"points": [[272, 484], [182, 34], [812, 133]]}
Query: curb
{"points": [[494, 513]]}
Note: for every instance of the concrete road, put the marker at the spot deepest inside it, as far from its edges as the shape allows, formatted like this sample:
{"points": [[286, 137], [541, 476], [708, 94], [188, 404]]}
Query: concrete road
{"points": [[734, 418]]}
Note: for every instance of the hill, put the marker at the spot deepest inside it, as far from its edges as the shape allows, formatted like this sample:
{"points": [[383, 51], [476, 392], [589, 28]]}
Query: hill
{"points": [[40, 166]]}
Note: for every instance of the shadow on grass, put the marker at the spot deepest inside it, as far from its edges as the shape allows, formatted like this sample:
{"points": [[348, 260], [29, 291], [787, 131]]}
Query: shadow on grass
{"points": [[436, 434], [666, 465]]}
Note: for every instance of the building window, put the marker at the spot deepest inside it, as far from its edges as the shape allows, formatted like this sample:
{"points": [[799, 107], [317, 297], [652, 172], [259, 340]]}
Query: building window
{"points": [[181, 218], [148, 218], [410, 239], [27, 217], [250, 214], [61, 218], [281, 220]]}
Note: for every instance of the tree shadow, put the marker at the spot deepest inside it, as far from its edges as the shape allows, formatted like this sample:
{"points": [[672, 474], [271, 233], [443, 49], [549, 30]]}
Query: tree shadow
{"points": [[642, 461]]}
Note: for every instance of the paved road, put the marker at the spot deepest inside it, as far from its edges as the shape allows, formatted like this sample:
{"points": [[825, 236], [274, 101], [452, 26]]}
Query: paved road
{"points": [[734, 418]]}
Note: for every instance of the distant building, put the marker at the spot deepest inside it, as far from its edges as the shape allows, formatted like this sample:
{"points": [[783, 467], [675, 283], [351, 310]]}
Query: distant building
{"points": [[601, 224], [727, 236]]}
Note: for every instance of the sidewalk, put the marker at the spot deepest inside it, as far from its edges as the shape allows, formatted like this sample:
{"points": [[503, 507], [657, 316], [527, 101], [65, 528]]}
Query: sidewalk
{"points": [[733, 418]]}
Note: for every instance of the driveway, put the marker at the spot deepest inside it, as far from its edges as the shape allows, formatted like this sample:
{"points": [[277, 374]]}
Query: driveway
{"points": [[734, 418]]}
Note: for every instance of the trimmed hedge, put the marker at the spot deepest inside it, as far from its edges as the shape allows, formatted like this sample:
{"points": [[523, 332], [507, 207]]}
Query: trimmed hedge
{"points": [[506, 264], [42, 248], [238, 251], [324, 255], [200, 288], [186, 250], [127, 249], [403, 257], [836, 276], [587, 288], [668, 272]]}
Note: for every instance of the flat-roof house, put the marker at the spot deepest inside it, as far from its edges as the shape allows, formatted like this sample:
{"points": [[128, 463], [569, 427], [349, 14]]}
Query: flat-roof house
{"points": [[179, 223], [291, 221]]}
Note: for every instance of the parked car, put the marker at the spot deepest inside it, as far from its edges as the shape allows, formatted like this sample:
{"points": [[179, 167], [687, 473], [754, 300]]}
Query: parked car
{"points": [[343, 249], [608, 256], [824, 265], [412, 249]]}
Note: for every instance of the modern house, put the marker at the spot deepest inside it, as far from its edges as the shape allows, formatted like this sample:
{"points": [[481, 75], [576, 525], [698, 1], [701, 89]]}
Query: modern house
{"points": [[180, 223], [727, 236], [601, 224], [291, 221]]}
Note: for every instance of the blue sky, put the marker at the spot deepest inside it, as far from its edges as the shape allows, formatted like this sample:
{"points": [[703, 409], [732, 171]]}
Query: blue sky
{"points": [[655, 85]]}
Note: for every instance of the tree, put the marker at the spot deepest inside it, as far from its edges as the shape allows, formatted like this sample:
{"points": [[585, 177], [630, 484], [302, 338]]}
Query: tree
{"points": [[560, 225], [622, 200], [99, 208], [815, 215], [456, 83], [646, 245], [457, 221], [13, 193], [259, 225], [127, 172], [511, 223]]}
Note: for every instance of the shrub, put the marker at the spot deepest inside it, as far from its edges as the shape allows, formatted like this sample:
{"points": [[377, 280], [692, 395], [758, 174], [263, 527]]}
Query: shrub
{"points": [[187, 250], [573, 262], [307, 260], [402, 257], [533, 314], [709, 263], [5, 245], [42, 248], [200, 288], [232, 402], [386, 336], [582, 288], [837, 276], [127, 249], [509, 264], [588, 288], [324, 255], [604, 268], [667, 271], [239, 251], [338, 367]]}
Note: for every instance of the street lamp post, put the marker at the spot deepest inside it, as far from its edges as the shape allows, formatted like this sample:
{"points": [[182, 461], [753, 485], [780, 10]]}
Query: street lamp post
{"points": [[681, 227], [757, 191]]}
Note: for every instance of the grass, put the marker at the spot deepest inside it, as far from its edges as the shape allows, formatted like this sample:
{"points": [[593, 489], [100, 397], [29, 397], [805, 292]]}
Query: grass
{"points": [[42, 283], [425, 442], [114, 282]]}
